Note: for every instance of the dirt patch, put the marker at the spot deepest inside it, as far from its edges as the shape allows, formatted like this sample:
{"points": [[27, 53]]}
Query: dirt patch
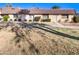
{"points": [[22, 41]]}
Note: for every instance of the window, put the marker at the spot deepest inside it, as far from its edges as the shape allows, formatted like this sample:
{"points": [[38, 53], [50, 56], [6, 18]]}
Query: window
{"points": [[15, 19], [15, 16], [65, 16], [45, 16], [36, 18], [10, 19], [19, 19]]}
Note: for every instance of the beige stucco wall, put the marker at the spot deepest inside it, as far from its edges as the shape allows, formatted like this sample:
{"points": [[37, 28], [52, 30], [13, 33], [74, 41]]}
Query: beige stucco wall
{"points": [[54, 18], [31, 18], [11, 17], [38, 16], [70, 17], [22, 16]]}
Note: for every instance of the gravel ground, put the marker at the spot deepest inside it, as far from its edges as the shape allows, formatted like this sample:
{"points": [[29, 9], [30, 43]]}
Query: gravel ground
{"points": [[24, 41]]}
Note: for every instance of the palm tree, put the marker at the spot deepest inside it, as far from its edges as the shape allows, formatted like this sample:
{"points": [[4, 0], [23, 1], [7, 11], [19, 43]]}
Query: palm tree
{"points": [[55, 7]]}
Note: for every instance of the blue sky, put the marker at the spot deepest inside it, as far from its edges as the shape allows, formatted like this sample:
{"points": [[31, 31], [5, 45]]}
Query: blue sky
{"points": [[44, 5]]}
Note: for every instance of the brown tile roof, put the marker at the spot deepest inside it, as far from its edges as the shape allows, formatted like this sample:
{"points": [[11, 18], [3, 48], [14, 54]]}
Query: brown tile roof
{"points": [[52, 11], [10, 10], [23, 11]]}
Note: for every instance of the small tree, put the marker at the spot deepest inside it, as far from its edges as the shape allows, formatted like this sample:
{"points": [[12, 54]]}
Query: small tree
{"points": [[5, 18], [55, 7], [75, 19]]}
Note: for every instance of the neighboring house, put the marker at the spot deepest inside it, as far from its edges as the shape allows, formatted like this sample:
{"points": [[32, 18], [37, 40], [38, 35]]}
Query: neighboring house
{"points": [[37, 15]]}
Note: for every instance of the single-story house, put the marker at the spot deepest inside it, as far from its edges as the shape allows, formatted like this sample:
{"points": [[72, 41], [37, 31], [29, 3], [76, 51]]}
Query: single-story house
{"points": [[37, 14]]}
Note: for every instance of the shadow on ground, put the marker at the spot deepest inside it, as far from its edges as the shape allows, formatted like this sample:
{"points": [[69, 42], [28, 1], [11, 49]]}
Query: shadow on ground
{"points": [[43, 27]]}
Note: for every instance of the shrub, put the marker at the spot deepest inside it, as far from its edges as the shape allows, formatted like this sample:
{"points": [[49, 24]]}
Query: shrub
{"points": [[45, 20], [5, 18], [75, 19]]}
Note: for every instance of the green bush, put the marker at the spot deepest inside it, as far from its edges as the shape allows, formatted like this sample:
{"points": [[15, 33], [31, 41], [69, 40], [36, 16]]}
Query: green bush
{"points": [[75, 19], [46, 20], [36, 18], [5, 18]]}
